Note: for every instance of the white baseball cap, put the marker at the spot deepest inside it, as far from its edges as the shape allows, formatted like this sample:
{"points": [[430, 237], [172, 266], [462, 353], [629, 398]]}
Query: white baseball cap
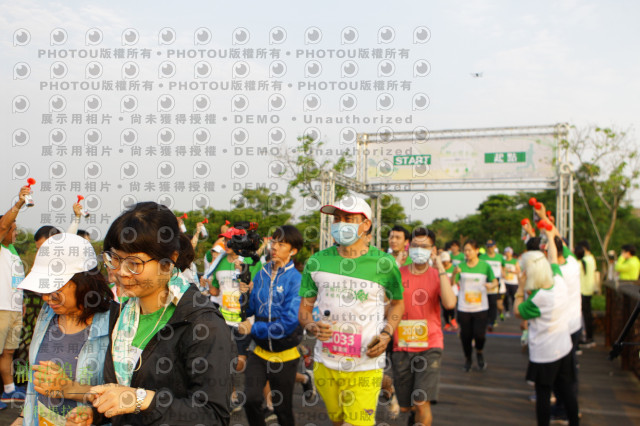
{"points": [[349, 204], [59, 258], [445, 256]]}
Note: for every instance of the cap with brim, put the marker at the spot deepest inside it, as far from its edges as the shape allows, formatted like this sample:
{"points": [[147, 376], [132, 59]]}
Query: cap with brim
{"points": [[491, 243], [445, 256], [59, 258], [349, 204]]}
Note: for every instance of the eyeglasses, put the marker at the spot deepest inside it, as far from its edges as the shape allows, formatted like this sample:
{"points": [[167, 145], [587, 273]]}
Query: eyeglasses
{"points": [[133, 264]]}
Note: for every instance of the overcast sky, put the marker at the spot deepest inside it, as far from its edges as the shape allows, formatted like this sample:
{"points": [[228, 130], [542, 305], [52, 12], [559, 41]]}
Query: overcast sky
{"points": [[492, 64]]}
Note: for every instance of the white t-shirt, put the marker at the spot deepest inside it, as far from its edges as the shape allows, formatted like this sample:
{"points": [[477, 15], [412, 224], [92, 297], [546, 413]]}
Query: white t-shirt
{"points": [[549, 337], [571, 273], [11, 275], [473, 292]]}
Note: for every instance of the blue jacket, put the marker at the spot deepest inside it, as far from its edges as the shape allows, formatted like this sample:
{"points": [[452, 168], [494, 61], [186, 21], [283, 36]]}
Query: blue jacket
{"points": [[275, 304], [90, 360]]}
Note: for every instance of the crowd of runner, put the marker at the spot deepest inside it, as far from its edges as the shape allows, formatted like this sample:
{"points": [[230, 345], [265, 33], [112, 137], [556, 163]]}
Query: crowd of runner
{"points": [[136, 335]]}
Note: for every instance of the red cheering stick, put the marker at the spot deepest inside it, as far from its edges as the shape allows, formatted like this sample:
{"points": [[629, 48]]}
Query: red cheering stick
{"points": [[28, 198], [543, 224], [183, 227], [83, 212], [524, 234], [226, 222], [536, 205], [203, 230]]}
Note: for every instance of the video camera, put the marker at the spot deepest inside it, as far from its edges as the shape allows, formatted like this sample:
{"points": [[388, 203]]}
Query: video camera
{"points": [[246, 245]]}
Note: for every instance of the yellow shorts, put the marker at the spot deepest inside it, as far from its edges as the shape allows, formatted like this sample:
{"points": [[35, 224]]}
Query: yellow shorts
{"points": [[350, 397]]}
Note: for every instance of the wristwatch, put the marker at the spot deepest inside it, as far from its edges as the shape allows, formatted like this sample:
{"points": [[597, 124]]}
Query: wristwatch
{"points": [[141, 394]]}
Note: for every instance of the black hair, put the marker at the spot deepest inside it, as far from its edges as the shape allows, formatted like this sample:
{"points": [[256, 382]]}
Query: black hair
{"points": [[585, 244], [93, 294], [290, 235], [559, 244], [447, 246], [150, 228], [579, 252], [400, 228], [533, 244], [630, 248], [45, 232], [82, 233], [421, 231], [472, 243]]}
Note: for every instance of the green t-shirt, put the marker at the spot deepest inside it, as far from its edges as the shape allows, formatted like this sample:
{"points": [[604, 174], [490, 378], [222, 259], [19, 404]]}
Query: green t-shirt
{"points": [[354, 291], [150, 324], [473, 293], [225, 277], [456, 259]]}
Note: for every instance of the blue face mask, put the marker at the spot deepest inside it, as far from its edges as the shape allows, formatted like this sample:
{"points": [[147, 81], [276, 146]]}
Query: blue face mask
{"points": [[419, 255], [345, 234]]}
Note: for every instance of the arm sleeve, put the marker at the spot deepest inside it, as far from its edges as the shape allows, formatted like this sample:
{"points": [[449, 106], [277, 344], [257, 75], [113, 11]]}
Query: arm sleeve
{"points": [[214, 280], [206, 366], [288, 320], [308, 287], [528, 309], [622, 265], [490, 275], [555, 269], [567, 253], [394, 284], [74, 225]]}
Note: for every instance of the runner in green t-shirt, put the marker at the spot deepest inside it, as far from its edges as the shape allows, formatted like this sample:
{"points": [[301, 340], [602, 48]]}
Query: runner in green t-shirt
{"points": [[496, 261], [359, 294], [476, 279], [456, 255]]}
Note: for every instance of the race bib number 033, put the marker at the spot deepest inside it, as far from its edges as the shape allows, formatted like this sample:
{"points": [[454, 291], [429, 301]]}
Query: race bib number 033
{"points": [[346, 340]]}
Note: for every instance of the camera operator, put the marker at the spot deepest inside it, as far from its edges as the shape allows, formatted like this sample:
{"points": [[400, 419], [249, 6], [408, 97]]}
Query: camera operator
{"points": [[225, 282]]}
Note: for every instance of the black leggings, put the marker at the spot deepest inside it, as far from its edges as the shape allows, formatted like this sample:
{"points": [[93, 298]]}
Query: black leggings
{"points": [[281, 377], [510, 296], [448, 314], [564, 386], [587, 316], [493, 308], [473, 326]]}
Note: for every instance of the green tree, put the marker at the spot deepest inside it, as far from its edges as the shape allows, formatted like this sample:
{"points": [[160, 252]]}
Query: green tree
{"points": [[607, 165]]}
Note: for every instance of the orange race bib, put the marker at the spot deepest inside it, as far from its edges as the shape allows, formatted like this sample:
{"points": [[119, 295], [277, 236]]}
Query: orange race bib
{"points": [[413, 334], [231, 301], [473, 297]]}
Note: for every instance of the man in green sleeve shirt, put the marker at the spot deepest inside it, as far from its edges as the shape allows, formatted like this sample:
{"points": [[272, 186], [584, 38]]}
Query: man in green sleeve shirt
{"points": [[358, 289], [628, 264]]}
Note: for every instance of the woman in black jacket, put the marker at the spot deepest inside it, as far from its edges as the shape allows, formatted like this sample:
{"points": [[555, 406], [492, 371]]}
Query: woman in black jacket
{"points": [[170, 350]]}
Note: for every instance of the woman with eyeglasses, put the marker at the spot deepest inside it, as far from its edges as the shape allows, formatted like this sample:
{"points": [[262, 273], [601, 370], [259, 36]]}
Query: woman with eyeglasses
{"points": [[169, 353], [71, 335]]}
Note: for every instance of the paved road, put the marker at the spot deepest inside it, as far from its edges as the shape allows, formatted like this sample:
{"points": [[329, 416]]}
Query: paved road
{"points": [[499, 395]]}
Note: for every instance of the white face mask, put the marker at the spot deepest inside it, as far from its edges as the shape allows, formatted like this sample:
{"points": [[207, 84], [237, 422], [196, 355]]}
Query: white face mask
{"points": [[419, 255]]}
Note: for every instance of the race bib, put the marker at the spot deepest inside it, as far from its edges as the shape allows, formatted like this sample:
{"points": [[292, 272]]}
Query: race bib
{"points": [[346, 339], [413, 334], [473, 298], [46, 417], [231, 301]]}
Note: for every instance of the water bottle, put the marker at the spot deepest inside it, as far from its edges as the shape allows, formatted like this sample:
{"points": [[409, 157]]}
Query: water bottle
{"points": [[28, 198], [536, 205], [524, 235], [543, 224]]}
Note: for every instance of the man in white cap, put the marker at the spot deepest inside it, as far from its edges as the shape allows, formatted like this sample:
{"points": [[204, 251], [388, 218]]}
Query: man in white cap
{"points": [[353, 284]]}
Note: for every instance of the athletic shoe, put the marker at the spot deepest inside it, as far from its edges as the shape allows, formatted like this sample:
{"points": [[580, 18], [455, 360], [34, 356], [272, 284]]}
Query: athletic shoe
{"points": [[309, 390], [448, 327], [454, 324], [269, 414], [507, 315], [17, 395], [467, 365], [481, 364], [3, 406], [394, 407], [588, 344], [501, 317], [559, 420]]}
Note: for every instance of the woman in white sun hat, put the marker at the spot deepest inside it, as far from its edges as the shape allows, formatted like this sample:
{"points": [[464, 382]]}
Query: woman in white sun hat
{"points": [[71, 335]]}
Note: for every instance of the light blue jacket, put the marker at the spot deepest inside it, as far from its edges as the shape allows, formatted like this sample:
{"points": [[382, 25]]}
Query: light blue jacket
{"points": [[90, 360]]}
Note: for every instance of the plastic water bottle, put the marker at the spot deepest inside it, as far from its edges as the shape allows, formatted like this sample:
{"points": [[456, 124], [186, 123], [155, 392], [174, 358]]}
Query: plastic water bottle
{"points": [[203, 230]]}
